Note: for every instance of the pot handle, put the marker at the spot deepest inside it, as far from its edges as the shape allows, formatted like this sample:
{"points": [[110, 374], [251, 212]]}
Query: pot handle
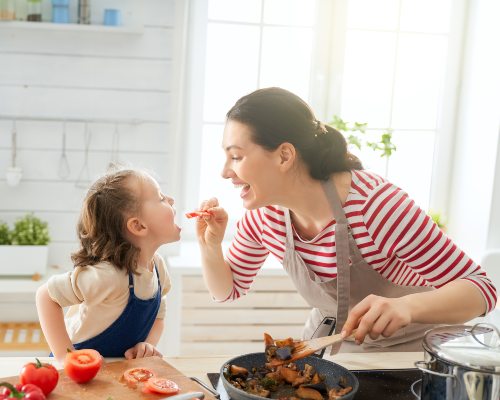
{"points": [[424, 366], [413, 390], [491, 328]]}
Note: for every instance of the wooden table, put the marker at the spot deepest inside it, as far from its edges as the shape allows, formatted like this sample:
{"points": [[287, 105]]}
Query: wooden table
{"points": [[198, 367]]}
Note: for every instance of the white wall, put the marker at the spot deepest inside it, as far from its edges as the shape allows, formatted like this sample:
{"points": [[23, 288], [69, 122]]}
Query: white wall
{"points": [[79, 73], [474, 198]]}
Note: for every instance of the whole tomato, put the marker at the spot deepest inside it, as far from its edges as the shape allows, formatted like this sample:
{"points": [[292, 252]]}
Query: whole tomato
{"points": [[45, 376], [82, 365]]}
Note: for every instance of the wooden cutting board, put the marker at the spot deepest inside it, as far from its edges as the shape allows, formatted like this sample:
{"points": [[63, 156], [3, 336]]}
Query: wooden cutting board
{"points": [[107, 383]]}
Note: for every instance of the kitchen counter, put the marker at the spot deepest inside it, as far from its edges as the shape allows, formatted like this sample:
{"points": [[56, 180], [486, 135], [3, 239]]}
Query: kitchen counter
{"points": [[198, 367]]}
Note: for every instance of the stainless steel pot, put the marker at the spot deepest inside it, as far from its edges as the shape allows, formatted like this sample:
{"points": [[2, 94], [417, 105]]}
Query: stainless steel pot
{"points": [[461, 363]]}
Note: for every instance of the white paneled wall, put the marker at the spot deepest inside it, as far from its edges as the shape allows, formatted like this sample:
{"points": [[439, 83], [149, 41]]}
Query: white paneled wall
{"points": [[48, 73]]}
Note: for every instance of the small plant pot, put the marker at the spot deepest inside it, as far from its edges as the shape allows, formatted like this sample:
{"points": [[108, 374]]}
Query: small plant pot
{"points": [[14, 175], [23, 260]]}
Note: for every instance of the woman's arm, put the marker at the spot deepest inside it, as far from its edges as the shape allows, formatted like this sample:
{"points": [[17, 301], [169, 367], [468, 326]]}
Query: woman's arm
{"points": [[403, 231], [52, 323], [210, 231], [384, 316]]}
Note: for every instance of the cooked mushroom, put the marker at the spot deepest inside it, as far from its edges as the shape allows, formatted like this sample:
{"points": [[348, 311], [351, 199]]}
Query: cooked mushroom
{"points": [[235, 370], [289, 374], [337, 393], [308, 393]]}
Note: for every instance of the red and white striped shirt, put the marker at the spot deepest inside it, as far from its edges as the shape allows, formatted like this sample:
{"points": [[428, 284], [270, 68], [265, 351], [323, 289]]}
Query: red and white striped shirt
{"points": [[396, 237]]}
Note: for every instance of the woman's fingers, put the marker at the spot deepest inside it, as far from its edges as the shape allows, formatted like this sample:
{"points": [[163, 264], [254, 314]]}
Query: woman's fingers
{"points": [[375, 316], [354, 317], [210, 203]]}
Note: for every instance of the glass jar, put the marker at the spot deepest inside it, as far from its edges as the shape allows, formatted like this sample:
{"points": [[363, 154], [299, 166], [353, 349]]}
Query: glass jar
{"points": [[34, 13], [7, 10], [60, 11]]}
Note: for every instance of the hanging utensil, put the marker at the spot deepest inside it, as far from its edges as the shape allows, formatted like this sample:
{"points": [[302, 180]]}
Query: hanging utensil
{"points": [[14, 173], [83, 180], [64, 170], [115, 148]]}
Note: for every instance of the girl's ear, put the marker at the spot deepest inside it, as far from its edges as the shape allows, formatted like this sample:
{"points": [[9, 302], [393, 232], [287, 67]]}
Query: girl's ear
{"points": [[135, 227], [287, 154]]}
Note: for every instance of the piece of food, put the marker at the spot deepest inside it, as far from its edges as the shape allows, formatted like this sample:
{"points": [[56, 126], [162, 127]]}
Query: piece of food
{"points": [[198, 214], [19, 391], [82, 365], [278, 351], [308, 393], [161, 386], [337, 393], [43, 375], [133, 376]]}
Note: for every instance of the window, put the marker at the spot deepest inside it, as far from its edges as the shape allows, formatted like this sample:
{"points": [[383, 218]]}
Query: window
{"points": [[389, 63], [249, 44]]}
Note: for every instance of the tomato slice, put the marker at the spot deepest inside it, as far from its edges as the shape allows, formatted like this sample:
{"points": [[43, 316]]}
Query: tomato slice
{"points": [[198, 214], [82, 365], [134, 376], [162, 386]]}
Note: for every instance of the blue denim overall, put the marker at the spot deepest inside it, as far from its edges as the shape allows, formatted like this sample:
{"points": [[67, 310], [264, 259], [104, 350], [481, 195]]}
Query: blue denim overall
{"points": [[131, 327]]}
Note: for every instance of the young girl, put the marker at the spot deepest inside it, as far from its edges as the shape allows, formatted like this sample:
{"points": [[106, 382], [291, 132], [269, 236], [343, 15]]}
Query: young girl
{"points": [[116, 293]]}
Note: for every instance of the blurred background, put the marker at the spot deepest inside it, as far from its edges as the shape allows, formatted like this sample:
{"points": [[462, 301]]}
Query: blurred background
{"points": [[83, 84]]}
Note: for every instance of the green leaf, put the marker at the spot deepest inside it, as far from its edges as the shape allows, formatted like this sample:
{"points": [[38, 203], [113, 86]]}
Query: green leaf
{"points": [[339, 124], [4, 233], [351, 139]]}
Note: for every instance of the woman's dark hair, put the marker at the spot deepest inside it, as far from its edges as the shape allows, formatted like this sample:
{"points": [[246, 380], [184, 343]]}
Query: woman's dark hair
{"points": [[277, 116], [102, 223]]}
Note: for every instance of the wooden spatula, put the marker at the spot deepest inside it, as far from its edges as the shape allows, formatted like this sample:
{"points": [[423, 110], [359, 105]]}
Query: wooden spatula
{"points": [[304, 348]]}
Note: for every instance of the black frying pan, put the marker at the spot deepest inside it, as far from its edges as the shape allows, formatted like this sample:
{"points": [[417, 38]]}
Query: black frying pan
{"points": [[332, 372]]}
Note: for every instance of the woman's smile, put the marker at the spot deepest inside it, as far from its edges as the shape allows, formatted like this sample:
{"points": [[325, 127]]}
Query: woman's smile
{"points": [[245, 188]]}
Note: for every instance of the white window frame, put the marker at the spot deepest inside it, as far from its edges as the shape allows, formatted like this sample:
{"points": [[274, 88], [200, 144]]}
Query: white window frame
{"points": [[325, 98]]}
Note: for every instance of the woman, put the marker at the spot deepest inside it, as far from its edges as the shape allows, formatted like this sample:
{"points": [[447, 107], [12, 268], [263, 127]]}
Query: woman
{"points": [[355, 246]]}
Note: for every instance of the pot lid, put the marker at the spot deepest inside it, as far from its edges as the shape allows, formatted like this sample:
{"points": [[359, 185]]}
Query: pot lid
{"points": [[476, 347]]}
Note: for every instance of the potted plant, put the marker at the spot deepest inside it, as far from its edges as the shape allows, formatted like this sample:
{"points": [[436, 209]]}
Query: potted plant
{"points": [[24, 249], [355, 135], [438, 219]]}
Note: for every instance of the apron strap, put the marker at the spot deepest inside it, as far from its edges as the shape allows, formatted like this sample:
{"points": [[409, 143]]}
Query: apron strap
{"points": [[289, 245], [342, 249]]}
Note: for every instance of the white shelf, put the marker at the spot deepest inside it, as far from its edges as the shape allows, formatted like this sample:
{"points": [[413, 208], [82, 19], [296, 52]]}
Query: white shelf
{"points": [[49, 26]]}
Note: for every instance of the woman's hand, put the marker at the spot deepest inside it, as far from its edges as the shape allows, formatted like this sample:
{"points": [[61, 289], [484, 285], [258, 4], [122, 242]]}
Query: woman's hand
{"points": [[376, 315], [211, 229], [142, 350]]}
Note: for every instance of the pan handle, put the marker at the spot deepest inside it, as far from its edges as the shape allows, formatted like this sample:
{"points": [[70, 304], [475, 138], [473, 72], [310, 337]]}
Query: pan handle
{"points": [[205, 386], [424, 366]]}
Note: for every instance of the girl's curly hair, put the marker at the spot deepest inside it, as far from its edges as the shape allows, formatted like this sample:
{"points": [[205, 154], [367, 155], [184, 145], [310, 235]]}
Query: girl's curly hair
{"points": [[102, 224]]}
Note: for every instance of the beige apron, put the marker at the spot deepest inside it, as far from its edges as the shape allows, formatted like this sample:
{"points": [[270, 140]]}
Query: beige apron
{"points": [[334, 298]]}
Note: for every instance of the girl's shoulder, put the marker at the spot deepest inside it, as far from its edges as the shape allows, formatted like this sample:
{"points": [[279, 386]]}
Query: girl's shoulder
{"points": [[91, 283], [99, 275]]}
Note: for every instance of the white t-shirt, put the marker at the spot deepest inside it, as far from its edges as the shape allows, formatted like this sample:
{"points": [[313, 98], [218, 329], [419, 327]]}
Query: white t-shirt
{"points": [[97, 295]]}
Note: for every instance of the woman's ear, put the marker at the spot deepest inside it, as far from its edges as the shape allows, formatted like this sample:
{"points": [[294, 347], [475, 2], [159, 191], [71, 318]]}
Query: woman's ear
{"points": [[287, 154], [135, 227]]}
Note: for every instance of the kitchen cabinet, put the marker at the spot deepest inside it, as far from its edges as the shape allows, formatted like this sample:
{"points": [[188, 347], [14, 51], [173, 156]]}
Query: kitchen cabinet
{"points": [[207, 328]]}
